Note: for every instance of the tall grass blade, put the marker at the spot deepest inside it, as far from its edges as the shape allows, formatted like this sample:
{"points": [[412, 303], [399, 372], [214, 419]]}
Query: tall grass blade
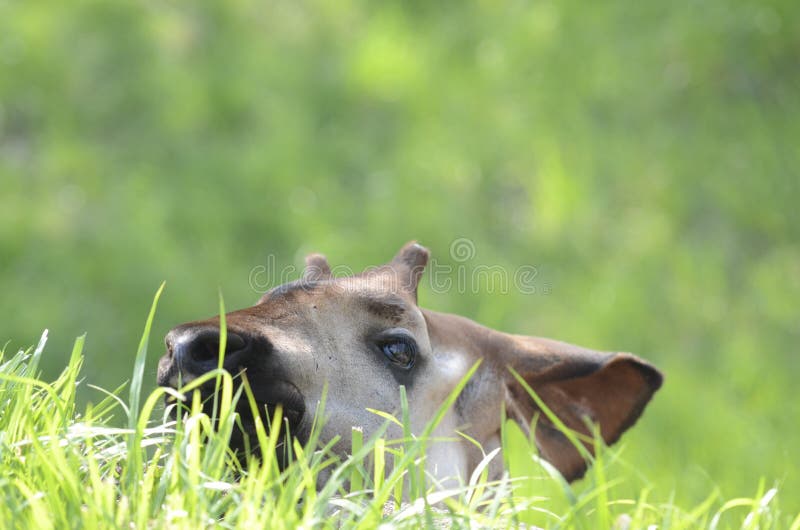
{"points": [[139, 363]]}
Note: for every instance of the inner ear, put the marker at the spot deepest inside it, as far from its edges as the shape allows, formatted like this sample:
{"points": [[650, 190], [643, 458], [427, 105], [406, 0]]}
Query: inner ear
{"points": [[317, 268], [408, 265], [608, 390]]}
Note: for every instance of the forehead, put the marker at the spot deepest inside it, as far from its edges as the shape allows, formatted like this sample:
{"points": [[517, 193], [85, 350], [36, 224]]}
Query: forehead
{"points": [[341, 294]]}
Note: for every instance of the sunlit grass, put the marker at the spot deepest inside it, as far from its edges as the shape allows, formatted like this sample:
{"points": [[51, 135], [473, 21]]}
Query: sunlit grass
{"points": [[61, 467]]}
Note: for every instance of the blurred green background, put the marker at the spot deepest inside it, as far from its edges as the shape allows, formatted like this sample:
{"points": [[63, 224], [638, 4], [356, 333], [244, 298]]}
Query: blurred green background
{"points": [[642, 156]]}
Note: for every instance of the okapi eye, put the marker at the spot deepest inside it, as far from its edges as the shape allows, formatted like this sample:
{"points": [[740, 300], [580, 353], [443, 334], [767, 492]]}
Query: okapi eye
{"points": [[402, 351]]}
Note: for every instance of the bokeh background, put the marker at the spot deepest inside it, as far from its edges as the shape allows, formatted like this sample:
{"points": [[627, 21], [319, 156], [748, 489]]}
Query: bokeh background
{"points": [[643, 156]]}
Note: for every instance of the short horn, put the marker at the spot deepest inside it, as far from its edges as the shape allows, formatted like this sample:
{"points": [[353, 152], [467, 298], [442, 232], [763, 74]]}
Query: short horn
{"points": [[410, 263], [317, 268]]}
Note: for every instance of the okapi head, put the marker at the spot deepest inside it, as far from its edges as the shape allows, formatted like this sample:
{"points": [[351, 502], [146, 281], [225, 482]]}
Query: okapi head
{"points": [[363, 336]]}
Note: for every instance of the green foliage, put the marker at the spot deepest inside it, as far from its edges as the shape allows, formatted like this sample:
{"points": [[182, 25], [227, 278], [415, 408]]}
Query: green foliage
{"points": [[641, 155]]}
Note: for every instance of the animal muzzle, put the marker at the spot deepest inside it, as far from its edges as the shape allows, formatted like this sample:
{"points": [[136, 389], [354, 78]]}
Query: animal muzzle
{"points": [[194, 349]]}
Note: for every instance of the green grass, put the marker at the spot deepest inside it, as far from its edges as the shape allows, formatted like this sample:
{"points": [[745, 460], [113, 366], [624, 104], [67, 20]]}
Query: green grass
{"points": [[65, 467]]}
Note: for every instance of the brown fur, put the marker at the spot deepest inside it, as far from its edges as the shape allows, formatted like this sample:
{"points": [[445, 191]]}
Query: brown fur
{"points": [[322, 331]]}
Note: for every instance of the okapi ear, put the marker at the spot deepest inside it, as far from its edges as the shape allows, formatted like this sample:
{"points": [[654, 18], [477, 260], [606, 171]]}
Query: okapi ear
{"points": [[317, 268], [409, 264], [578, 385]]}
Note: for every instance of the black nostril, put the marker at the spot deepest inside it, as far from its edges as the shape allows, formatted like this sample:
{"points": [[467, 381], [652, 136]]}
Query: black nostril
{"points": [[205, 347], [197, 351]]}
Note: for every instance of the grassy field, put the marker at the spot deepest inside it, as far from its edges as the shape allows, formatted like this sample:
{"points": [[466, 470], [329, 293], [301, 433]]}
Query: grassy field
{"points": [[639, 158], [65, 468]]}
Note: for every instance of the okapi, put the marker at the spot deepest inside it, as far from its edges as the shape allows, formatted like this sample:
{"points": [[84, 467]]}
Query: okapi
{"points": [[363, 336]]}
